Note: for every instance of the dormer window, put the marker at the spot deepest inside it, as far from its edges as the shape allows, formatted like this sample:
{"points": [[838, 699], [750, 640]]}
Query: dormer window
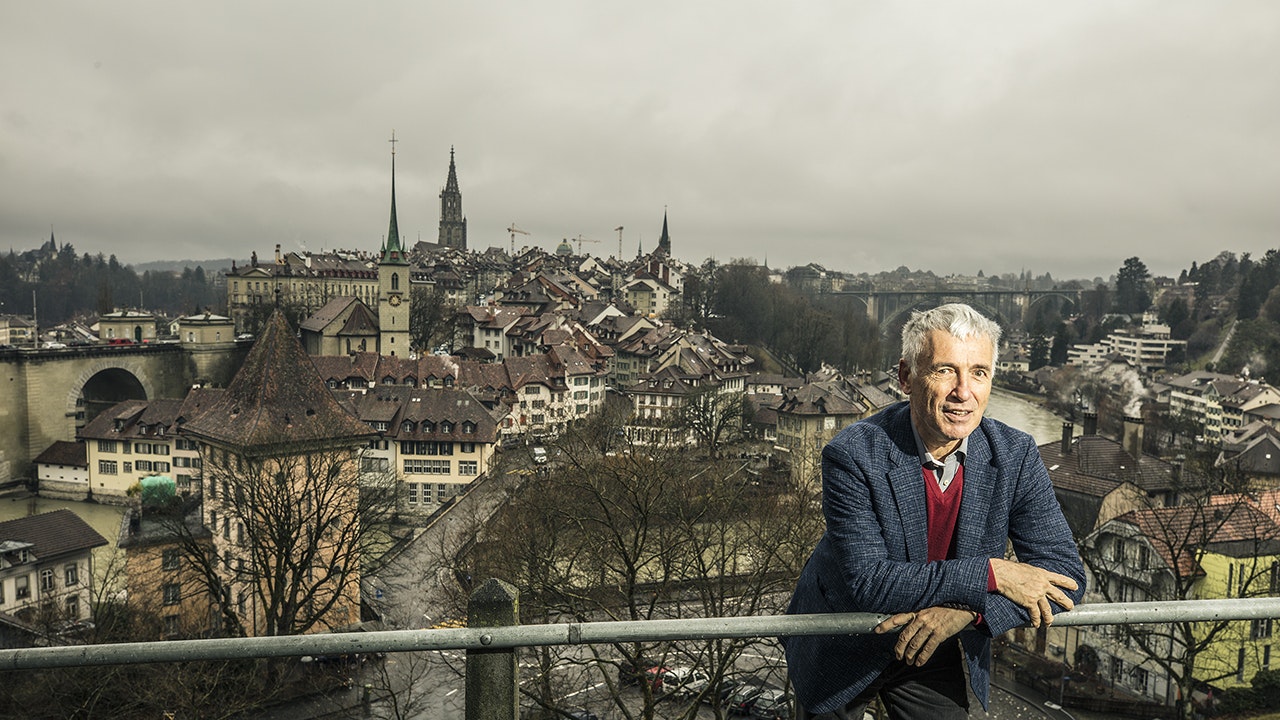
{"points": [[468, 428], [388, 380], [428, 427], [406, 426], [446, 427]]}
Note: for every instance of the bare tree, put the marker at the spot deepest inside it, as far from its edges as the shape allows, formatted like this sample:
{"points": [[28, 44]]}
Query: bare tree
{"points": [[1180, 553], [635, 536], [714, 416]]}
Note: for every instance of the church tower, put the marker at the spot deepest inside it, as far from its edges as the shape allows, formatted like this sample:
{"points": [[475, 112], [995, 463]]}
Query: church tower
{"points": [[664, 242], [393, 283], [453, 226]]}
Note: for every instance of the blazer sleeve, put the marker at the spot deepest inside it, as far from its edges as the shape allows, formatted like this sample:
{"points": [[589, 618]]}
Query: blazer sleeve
{"points": [[866, 541], [1040, 536]]}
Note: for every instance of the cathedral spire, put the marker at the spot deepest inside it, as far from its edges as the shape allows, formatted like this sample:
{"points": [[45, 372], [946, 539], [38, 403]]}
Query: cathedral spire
{"points": [[392, 252], [664, 242], [453, 224]]}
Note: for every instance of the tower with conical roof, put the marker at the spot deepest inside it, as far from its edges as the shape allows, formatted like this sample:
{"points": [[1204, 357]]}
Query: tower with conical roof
{"points": [[453, 225], [281, 460], [664, 242], [393, 282]]}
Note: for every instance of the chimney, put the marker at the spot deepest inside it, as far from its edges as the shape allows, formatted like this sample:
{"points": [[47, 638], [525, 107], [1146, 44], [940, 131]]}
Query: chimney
{"points": [[1091, 423], [1068, 430], [1133, 437], [279, 260]]}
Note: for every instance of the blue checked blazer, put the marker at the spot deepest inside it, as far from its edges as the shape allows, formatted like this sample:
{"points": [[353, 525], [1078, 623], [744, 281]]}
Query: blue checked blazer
{"points": [[874, 554]]}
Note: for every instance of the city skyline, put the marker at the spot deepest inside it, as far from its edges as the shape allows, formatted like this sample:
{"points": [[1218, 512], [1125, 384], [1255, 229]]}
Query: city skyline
{"points": [[986, 136]]}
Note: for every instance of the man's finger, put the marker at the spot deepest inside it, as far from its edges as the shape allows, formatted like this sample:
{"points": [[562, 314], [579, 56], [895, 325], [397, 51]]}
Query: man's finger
{"points": [[894, 622]]}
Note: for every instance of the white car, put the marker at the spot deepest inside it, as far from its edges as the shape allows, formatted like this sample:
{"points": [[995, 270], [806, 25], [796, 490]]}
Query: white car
{"points": [[684, 680], [540, 455]]}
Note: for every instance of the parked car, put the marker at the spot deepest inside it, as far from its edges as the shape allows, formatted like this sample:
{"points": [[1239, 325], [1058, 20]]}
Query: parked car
{"points": [[540, 455], [639, 669], [739, 701], [685, 680], [772, 704]]}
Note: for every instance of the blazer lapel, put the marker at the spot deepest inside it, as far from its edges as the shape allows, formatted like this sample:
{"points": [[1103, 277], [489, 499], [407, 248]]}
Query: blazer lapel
{"points": [[975, 505], [907, 480]]}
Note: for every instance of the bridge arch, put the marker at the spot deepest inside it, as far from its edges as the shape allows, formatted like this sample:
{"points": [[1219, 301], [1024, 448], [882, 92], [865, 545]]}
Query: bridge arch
{"points": [[103, 384], [891, 328]]}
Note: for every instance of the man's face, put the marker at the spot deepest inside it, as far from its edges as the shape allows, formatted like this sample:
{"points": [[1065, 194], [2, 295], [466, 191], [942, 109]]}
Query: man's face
{"points": [[949, 389]]}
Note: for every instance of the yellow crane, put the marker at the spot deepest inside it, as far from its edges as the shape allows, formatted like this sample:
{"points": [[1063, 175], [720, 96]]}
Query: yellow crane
{"points": [[513, 230], [581, 240]]}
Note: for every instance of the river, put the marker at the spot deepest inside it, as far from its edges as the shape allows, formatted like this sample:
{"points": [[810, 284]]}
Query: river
{"points": [[1027, 416]]}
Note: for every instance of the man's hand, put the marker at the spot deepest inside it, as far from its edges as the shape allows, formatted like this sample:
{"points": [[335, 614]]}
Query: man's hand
{"points": [[1032, 588], [924, 631]]}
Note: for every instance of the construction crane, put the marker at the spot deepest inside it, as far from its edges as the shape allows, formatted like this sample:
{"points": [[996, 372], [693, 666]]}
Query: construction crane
{"points": [[619, 231], [513, 230], [581, 240]]}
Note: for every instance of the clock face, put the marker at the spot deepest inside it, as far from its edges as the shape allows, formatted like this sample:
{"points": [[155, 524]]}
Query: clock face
{"points": [[395, 300]]}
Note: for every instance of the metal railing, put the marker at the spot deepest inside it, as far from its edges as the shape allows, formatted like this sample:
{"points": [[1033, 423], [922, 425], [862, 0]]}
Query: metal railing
{"points": [[494, 634]]}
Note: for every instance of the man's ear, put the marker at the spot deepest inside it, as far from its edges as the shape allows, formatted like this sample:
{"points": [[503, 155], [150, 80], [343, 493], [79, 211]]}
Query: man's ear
{"points": [[904, 377]]}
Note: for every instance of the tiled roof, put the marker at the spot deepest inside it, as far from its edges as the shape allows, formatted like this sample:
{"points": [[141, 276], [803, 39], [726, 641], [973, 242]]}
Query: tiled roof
{"points": [[53, 534], [1179, 533], [276, 398], [64, 452]]}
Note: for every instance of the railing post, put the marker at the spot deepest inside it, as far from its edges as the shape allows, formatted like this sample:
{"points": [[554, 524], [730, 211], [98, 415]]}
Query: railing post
{"points": [[492, 675]]}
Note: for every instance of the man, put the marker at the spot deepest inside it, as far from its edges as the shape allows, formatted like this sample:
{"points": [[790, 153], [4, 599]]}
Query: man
{"points": [[920, 501]]}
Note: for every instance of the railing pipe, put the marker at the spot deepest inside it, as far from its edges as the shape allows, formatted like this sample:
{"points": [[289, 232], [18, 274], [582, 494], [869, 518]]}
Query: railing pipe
{"points": [[515, 636]]}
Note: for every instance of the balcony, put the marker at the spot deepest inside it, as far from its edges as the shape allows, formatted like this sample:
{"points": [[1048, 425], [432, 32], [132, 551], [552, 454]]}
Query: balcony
{"points": [[492, 673]]}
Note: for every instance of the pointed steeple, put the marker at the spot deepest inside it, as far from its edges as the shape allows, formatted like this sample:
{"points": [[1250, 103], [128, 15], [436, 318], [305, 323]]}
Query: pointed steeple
{"points": [[392, 252], [664, 242], [451, 184], [453, 224]]}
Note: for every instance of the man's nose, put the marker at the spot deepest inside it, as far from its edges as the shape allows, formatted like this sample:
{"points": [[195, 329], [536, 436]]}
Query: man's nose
{"points": [[963, 386]]}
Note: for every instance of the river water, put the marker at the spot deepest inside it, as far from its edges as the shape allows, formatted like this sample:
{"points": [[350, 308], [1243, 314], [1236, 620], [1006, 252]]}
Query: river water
{"points": [[1027, 416]]}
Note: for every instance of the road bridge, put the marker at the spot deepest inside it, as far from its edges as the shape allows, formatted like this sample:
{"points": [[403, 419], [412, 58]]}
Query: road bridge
{"points": [[1013, 309], [48, 394]]}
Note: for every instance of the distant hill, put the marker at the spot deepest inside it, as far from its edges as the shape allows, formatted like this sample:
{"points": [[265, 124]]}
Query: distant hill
{"points": [[210, 266]]}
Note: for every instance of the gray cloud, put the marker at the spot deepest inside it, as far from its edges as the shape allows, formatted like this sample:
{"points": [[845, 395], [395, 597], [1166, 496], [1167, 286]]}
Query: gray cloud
{"points": [[1056, 137]]}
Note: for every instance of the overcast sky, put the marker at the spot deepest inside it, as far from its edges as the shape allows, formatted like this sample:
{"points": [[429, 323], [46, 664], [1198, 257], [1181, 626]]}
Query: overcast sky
{"points": [[1058, 137]]}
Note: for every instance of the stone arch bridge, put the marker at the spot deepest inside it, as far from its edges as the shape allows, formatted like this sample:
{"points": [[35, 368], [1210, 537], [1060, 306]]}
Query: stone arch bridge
{"points": [[47, 395], [1011, 308]]}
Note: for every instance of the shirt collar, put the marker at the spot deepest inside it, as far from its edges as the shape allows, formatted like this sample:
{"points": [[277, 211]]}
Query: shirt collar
{"points": [[929, 461]]}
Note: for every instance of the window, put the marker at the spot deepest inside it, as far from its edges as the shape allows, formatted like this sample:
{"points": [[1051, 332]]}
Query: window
{"points": [[107, 446], [428, 467], [440, 490], [171, 624], [468, 467], [71, 574], [375, 464], [468, 447], [128, 468], [72, 605], [580, 380], [46, 580], [170, 558], [142, 448], [160, 467], [172, 593], [107, 467], [413, 493], [22, 586], [141, 465], [468, 428], [538, 419], [1260, 629], [160, 448], [539, 404]]}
